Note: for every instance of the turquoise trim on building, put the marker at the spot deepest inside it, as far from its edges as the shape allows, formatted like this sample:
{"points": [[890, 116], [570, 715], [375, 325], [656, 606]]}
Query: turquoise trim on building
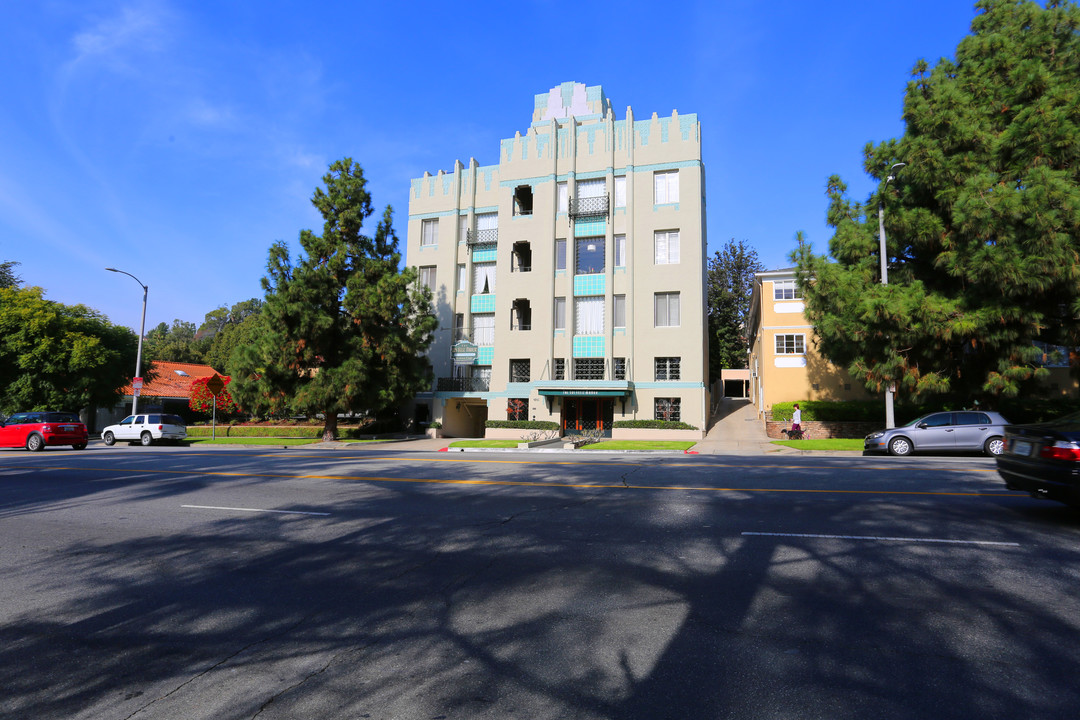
{"points": [[590, 228], [593, 174], [672, 385], [587, 285], [482, 303], [447, 183], [433, 215], [526, 181], [485, 354], [667, 166], [485, 253], [686, 124], [589, 346], [674, 206], [507, 149]]}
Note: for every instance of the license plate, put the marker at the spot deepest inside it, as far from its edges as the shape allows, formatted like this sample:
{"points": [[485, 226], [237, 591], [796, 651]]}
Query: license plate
{"points": [[67, 428], [1021, 447]]}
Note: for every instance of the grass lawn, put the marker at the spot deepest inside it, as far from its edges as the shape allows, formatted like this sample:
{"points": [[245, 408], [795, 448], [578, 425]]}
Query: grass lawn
{"points": [[485, 443], [823, 444], [680, 445]]}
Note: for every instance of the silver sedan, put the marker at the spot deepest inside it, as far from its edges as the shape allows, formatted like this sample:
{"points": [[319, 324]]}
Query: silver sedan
{"points": [[971, 430]]}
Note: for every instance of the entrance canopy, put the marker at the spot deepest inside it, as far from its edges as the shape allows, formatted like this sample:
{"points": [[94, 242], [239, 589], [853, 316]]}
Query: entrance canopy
{"points": [[612, 390]]}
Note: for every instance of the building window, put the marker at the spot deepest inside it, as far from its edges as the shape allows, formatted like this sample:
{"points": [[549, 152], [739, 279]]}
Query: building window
{"points": [[620, 191], [521, 257], [560, 313], [591, 188], [793, 344], [459, 327], [589, 315], [560, 369], [667, 368], [786, 290], [521, 315], [523, 200], [519, 371], [483, 278], [620, 251], [666, 309], [618, 309], [483, 328], [666, 247], [589, 255], [563, 196], [618, 368], [463, 228], [588, 368], [427, 277], [668, 409], [462, 278], [560, 254], [517, 409], [666, 187], [429, 232]]}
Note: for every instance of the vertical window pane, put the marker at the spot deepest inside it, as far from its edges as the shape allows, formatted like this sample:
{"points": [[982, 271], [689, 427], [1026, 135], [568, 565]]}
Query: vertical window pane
{"points": [[589, 255], [560, 313], [620, 251], [666, 309], [462, 278], [429, 232], [463, 228], [666, 187], [427, 277], [619, 311], [483, 278], [563, 195], [666, 243], [560, 254], [589, 315], [620, 191]]}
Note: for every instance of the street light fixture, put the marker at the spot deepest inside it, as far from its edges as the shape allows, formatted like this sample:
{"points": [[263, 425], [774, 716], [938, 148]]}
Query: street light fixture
{"points": [[890, 420], [142, 327]]}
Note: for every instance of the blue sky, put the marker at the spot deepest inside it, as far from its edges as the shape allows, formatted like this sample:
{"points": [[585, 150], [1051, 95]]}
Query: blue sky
{"points": [[177, 140]]}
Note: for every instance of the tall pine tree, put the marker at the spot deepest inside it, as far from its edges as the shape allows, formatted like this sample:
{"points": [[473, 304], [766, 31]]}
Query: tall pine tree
{"points": [[341, 329], [982, 224]]}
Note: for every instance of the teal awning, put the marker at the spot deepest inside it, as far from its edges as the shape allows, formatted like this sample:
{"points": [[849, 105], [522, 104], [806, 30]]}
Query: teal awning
{"points": [[578, 392]]}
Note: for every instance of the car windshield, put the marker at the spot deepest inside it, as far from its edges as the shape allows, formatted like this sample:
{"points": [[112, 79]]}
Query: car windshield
{"points": [[61, 418]]}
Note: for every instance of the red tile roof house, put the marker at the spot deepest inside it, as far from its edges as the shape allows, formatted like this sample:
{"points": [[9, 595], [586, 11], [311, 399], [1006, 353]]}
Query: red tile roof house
{"points": [[169, 391]]}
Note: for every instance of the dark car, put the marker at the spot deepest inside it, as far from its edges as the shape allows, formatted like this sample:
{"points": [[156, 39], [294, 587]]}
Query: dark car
{"points": [[1044, 459], [35, 430], [964, 430]]}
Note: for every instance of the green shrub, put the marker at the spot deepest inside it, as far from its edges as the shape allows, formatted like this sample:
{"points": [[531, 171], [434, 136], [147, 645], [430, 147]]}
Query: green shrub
{"points": [[435, 425], [848, 410], [523, 424], [653, 424]]}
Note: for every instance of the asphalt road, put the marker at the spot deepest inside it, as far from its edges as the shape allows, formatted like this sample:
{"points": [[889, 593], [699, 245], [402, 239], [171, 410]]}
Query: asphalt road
{"points": [[248, 583]]}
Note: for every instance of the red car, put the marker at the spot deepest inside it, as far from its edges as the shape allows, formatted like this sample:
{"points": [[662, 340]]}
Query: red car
{"points": [[35, 430]]}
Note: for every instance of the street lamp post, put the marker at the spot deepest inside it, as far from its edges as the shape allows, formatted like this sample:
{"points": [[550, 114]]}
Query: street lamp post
{"points": [[890, 420], [142, 327]]}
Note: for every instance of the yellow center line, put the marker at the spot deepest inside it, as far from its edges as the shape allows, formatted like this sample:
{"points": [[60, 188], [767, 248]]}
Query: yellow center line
{"points": [[519, 483]]}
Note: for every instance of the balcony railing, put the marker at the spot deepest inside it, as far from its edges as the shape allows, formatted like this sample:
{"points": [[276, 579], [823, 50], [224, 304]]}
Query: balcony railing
{"points": [[482, 237], [456, 384], [589, 207]]}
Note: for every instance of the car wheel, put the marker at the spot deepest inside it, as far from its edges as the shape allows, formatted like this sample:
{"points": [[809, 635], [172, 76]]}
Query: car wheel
{"points": [[146, 438], [79, 446], [109, 438], [994, 446], [35, 442], [900, 446]]}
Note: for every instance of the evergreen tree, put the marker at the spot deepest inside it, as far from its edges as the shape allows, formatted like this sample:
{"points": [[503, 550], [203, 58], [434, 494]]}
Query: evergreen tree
{"points": [[8, 278], [179, 343], [982, 223], [341, 328], [729, 285]]}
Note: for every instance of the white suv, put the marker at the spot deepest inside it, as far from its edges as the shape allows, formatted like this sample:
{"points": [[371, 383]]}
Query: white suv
{"points": [[146, 429]]}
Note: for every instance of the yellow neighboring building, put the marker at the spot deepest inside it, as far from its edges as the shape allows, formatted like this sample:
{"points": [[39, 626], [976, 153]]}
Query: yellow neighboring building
{"points": [[786, 367], [784, 364]]}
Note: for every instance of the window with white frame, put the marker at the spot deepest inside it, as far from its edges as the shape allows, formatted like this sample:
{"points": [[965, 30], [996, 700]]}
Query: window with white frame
{"points": [[483, 278], [666, 309], [786, 290], [560, 313], [618, 311], [563, 196], [560, 254], [620, 250], [666, 187], [620, 191], [589, 256], [429, 232], [462, 278], [591, 188], [427, 277], [463, 228], [668, 409], [790, 344], [483, 328], [589, 315], [666, 246], [667, 368]]}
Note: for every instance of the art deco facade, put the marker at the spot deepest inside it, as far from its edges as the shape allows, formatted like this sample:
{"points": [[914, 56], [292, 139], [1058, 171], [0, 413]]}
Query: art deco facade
{"points": [[568, 279]]}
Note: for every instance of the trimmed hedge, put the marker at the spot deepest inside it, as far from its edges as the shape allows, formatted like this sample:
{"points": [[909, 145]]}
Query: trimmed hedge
{"points": [[272, 431], [652, 425], [523, 424], [1023, 410]]}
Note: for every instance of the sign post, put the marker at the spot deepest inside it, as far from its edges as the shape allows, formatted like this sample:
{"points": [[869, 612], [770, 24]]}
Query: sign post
{"points": [[215, 385]]}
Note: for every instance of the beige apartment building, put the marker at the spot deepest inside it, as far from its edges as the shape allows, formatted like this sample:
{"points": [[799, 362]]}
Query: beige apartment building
{"points": [[568, 279], [784, 364]]}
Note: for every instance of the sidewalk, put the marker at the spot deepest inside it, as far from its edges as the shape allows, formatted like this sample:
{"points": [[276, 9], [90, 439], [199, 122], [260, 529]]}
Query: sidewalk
{"points": [[737, 430]]}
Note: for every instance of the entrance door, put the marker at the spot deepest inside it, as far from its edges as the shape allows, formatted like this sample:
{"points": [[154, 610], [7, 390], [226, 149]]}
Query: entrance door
{"points": [[581, 415]]}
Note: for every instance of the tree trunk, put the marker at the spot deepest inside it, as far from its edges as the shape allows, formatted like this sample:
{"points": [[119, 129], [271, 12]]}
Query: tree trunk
{"points": [[329, 431]]}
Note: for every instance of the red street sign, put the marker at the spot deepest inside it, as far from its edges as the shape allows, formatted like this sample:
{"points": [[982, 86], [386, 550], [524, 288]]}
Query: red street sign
{"points": [[137, 383]]}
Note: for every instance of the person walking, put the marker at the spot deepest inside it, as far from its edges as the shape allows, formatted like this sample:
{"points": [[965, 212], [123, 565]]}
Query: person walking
{"points": [[796, 422]]}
